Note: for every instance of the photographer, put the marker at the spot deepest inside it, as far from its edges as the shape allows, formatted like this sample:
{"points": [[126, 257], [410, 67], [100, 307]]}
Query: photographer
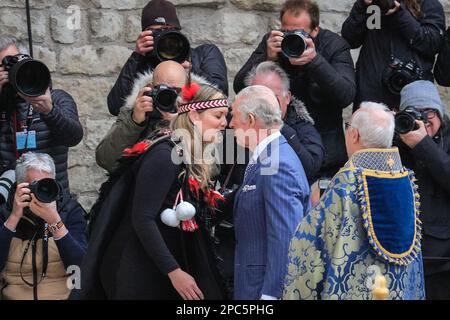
{"points": [[47, 122], [322, 77], [39, 240], [426, 150], [205, 60], [139, 117], [442, 67], [401, 52]]}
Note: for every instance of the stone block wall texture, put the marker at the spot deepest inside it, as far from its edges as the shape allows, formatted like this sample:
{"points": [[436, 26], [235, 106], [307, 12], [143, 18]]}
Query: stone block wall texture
{"points": [[86, 42]]}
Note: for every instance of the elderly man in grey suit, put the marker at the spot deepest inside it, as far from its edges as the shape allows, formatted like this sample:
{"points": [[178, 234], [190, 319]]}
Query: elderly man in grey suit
{"points": [[272, 200]]}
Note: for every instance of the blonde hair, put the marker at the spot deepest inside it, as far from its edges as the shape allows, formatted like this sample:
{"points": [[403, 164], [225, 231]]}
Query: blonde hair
{"points": [[182, 127]]}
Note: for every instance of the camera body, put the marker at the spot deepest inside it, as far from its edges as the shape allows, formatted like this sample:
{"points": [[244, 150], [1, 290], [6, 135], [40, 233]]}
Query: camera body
{"points": [[45, 190], [170, 44], [405, 121], [399, 74], [294, 43], [164, 98], [384, 5], [27, 76]]}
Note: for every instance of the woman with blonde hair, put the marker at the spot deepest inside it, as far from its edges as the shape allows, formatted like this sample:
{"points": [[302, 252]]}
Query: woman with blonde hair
{"points": [[161, 248]]}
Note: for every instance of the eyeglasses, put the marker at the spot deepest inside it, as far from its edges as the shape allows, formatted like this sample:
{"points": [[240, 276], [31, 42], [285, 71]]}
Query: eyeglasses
{"points": [[431, 113], [347, 125]]}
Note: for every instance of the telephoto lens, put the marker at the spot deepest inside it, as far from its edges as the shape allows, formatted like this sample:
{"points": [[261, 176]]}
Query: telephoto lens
{"points": [[7, 179], [164, 98], [294, 43], [171, 44], [384, 5], [27, 76], [45, 190]]}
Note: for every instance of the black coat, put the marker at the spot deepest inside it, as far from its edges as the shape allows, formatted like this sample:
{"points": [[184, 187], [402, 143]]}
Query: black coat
{"points": [[411, 38], [207, 61], [430, 160], [299, 131], [326, 86], [55, 132], [131, 251], [442, 67]]}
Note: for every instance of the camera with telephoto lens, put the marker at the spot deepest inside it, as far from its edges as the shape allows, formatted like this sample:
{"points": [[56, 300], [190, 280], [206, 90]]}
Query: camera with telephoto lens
{"points": [[164, 98], [170, 44], [399, 74], [294, 43], [45, 190], [27, 76], [384, 5], [405, 121]]}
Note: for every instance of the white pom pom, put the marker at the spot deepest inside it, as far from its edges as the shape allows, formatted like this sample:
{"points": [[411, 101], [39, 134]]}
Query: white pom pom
{"points": [[169, 217], [185, 211]]}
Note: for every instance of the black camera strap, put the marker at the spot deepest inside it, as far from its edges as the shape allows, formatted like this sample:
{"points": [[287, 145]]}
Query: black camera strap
{"points": [[32, 242]]}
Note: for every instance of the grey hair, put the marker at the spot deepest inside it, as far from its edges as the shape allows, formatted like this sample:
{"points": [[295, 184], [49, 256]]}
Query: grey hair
{"points": [[6, 41], [41, 162], [262, 103], [376, 125], [269, 67]]}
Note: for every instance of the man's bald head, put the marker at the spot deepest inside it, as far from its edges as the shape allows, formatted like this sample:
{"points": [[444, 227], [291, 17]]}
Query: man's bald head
{"points": [[170, 73]]}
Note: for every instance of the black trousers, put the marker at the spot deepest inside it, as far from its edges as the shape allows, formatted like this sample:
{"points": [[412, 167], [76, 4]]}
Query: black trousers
{"points": [[437, 286]]}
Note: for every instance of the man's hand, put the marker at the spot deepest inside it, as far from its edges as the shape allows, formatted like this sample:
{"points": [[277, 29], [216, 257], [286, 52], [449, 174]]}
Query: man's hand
{"points": [[142, 105], [49, 213], [45, 211], [395, 9], [144, 43], [167, 115], [187, 65], [22, 200], [43, 104], [185, 285], [307, 56], [413, 138], [4, 77], [274, 45]]}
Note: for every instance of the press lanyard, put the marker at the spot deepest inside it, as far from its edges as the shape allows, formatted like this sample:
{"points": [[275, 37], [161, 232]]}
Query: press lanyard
{"points": [[25, 128]]}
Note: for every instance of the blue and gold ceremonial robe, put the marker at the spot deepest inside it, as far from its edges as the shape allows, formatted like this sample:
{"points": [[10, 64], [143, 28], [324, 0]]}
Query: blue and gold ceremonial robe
{"points": [[366, 224]]}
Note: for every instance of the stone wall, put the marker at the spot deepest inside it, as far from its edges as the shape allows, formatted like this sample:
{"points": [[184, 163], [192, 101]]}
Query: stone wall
{"points": [[86, 42]]}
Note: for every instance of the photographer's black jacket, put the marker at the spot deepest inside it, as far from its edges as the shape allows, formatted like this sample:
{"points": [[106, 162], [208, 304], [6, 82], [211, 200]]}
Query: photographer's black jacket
{"points": [[55, 132], [430, 160], [207, 61], [326, 86], [442, 67], [411, 39]]}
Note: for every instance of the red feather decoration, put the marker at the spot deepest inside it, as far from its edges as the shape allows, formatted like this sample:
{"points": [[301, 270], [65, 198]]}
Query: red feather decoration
{"points": [[212, 197], [138, 148], [189, 92], [194, 186]]}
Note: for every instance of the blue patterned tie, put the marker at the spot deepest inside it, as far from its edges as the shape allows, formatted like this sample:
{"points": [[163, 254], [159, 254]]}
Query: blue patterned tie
{"points": [[247, 170]]}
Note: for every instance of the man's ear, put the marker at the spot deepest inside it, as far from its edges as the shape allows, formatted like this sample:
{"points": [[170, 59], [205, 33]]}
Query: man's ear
{"points": [[194, 116], [355, 136], [251, 120]]}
